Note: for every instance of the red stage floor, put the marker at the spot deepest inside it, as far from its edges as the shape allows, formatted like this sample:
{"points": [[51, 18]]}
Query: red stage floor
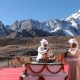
{"points": [[14, 73], [10, 73]]}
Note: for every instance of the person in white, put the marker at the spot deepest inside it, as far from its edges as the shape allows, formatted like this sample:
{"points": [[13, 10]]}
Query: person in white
{"points": [[43, 49], [74, 46], [73, 59]]}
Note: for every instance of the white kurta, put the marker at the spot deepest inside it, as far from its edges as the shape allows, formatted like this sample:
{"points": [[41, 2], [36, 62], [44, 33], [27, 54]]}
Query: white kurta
{"points": [[42, 51]]}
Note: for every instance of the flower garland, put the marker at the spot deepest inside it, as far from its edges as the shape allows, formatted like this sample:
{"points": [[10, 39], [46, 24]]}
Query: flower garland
{"points": [[35, 71], [41, 78], [67, 77], [54, 72], [45, 66]]}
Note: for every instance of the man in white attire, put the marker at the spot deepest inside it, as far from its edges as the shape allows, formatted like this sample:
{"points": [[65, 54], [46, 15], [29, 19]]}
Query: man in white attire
{"points": [[73, 59], [44, 51]]}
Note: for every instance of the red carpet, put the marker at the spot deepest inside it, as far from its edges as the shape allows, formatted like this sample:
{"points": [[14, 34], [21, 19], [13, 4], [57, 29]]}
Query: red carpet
{"points": [[14, 73], [66, 68], [10, 73]]}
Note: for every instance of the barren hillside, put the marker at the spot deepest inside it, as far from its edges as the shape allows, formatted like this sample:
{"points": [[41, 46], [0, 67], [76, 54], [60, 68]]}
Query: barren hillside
{"points": [[18, 45]]}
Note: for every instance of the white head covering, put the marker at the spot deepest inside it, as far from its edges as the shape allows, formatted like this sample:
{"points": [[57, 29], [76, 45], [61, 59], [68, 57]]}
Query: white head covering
{"points": [[43, 42], [73, 51], [73, 40]]}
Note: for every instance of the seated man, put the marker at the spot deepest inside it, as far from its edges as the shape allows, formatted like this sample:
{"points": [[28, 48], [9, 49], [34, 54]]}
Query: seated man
{"points": [[44, 52]]}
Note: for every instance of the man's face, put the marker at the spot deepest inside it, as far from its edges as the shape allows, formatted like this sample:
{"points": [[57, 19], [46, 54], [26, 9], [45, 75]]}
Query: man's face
{"points": [[45, 45], [73, 45]]}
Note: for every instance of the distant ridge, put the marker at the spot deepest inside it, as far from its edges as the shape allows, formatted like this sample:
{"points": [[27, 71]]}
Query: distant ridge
{"points": [[33, 28]]}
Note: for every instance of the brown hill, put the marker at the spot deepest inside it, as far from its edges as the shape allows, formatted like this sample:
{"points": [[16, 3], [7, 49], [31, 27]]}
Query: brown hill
{"points": [[16, 45]]}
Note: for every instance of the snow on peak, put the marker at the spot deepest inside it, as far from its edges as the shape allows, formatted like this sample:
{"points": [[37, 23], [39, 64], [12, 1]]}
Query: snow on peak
{"points": [[56, 29], [74, 19], [74, 16], [69, 33]]}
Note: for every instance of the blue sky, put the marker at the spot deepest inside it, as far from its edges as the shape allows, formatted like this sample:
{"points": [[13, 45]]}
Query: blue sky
{"points": [[12, 10]]}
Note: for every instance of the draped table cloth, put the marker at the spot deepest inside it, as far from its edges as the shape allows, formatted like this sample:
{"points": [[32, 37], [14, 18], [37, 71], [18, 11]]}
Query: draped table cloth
{"points": [[45, 71]]}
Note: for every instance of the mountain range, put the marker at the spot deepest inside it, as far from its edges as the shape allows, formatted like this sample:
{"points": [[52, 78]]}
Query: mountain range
{"points": [[31, 28]]}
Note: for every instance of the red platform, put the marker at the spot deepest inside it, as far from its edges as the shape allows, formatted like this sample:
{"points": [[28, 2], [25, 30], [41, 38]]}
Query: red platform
{"points": [[15, 73], [10, 73]]}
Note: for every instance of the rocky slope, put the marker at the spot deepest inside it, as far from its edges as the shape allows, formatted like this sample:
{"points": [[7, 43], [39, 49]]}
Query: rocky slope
{"points": [[32, 28]]}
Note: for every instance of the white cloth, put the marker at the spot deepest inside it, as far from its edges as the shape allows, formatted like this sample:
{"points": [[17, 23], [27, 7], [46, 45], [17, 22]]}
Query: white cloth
{"points": [[43, 42], [41, 51], [73, 40], [73, 50]]}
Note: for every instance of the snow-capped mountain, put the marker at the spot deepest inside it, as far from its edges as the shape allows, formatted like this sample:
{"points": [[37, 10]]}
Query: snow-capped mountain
{"points": [[56, 27], [74, 19]]}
